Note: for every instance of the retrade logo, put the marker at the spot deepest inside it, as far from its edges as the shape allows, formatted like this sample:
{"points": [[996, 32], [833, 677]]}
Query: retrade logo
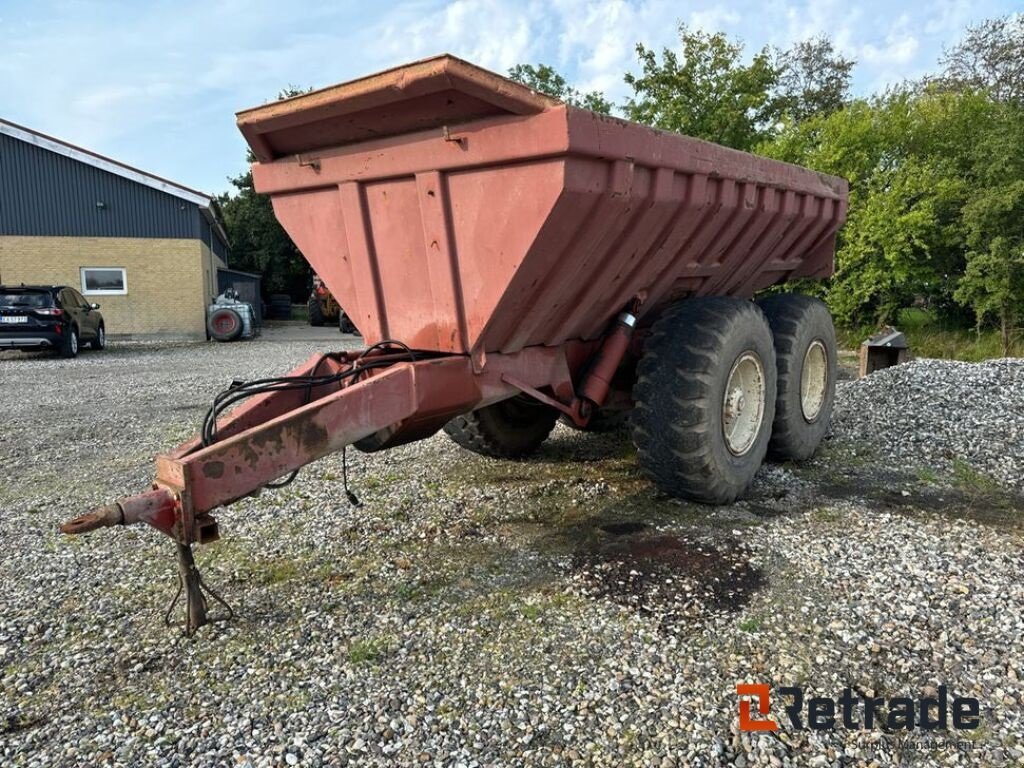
{"points": [[762, 692], [856, 712]]}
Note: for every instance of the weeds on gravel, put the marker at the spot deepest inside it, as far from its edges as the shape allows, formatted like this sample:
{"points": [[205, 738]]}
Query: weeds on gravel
{"points": [[967, 478], [370, 650], [750, 624]]}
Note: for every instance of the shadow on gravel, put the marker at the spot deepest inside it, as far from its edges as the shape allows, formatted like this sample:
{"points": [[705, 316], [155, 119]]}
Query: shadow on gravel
{"points": [[959, 493]]}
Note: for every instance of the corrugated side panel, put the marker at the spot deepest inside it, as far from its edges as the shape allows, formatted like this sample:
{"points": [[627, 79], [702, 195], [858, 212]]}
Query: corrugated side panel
{"points": [[46, 194], [620, 230]]}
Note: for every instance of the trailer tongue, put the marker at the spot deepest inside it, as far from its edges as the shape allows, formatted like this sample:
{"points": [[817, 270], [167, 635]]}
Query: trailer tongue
{"points": [[510, 259]]}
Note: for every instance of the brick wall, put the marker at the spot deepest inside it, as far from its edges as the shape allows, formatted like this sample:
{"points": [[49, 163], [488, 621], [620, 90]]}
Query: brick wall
{"points": [[166, 292]]}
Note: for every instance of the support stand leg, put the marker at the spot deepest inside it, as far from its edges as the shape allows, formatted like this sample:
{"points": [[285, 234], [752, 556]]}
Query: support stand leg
{"points": [[196, 591]]}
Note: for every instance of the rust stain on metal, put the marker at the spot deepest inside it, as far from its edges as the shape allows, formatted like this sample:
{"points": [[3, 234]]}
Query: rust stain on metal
{"points": [[314, 438], [213, 469]]}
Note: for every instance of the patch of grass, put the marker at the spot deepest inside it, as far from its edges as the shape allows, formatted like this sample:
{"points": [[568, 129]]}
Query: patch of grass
{"points": [[968, 478], [369, 650], [530, 611], [825, 515], [275, 571], [750, 624], [929, 339], [927, 476]]}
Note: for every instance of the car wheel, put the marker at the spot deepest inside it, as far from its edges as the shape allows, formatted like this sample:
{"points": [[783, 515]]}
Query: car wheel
{"points": [[101, 339], [70, 346]]}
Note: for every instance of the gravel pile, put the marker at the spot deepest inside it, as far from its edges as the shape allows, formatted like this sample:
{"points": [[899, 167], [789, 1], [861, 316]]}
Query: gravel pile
{"points": [[940, 414], [557, 612]]}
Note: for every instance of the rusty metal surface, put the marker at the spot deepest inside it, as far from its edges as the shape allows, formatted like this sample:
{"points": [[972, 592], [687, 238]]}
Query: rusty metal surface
{"points": [[514, 230], [433, 92], [157, 507], [272, 435]]}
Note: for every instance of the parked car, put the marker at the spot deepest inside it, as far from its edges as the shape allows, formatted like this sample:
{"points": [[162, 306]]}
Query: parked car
{"points": [[49, 317]]}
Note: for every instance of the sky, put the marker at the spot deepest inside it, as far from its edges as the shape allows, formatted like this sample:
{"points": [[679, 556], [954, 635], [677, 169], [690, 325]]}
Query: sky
{"points": [[156, 83]]}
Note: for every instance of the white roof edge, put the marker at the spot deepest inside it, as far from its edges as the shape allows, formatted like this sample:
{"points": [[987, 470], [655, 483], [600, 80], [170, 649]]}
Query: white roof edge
{"points": [[105, 164]]}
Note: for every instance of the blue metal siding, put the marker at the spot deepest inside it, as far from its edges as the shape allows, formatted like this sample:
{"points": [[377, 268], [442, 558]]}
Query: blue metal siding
{"points": [[220, 248], [43, 193]]}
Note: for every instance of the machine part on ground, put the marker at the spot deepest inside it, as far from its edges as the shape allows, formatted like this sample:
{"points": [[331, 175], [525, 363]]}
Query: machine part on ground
{"points": [[195, 591], [805, 355], [528, 253], [224, 324], [885, 349], [511, 429], [705, 398], [228, 318]]}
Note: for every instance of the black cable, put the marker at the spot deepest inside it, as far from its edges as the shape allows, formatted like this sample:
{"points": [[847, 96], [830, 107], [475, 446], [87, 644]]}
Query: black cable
{"points": [[349, 494], [243, 390]]}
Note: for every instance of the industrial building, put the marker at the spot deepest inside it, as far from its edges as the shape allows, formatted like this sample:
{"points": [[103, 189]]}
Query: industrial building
{"points": [[146, 249]]}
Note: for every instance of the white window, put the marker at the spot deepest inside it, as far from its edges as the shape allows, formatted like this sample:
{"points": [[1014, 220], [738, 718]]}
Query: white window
{"points": [[104, 281]]}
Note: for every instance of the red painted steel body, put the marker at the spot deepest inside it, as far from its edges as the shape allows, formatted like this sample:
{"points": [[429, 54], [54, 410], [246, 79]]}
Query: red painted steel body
{"points": [[493, 219], [496, 232]]}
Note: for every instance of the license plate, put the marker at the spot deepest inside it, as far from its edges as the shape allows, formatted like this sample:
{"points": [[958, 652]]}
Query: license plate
{"points": [[13, 318]]}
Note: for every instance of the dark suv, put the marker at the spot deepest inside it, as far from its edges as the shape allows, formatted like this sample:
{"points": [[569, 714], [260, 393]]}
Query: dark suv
{"points": [[49, 316]]}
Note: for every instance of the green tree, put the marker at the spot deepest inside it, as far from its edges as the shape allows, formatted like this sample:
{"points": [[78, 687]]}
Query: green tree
{"points": [[258, 242], [545, 79], [993, 282], [990, 58], [813, 79], [705, 90], [907, 157]]}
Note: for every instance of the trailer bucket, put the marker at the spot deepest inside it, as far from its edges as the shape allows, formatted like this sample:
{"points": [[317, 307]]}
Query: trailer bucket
{"points": [[464, 213]]}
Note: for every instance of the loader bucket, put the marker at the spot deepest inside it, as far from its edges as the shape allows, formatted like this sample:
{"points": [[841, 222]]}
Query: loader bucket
{"points": [[464, 213]]}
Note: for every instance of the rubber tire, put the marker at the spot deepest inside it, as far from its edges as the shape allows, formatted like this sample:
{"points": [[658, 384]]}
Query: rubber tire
{"points": [[345, 324], [511, 429], [229, 335], [67, 349], [601, 421], [101, 339], [681, 380], [796, 322], [316, 312]]}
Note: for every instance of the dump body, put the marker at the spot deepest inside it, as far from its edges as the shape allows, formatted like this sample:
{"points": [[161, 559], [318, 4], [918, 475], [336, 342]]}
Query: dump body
{"points": [[464, 213]]}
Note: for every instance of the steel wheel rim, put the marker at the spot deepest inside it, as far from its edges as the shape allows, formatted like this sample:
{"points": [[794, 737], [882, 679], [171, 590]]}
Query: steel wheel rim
{"points": [[813, 380], [74, 342], [103, 337], [743, 403], [224, 323]]}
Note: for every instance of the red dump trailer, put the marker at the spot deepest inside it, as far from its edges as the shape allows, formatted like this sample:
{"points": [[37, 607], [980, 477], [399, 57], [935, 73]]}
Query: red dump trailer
{"points": [[511, 260]]}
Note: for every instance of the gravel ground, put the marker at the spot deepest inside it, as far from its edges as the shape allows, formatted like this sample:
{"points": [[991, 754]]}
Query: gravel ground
{"points": [[943, 415], [473, 612]]}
